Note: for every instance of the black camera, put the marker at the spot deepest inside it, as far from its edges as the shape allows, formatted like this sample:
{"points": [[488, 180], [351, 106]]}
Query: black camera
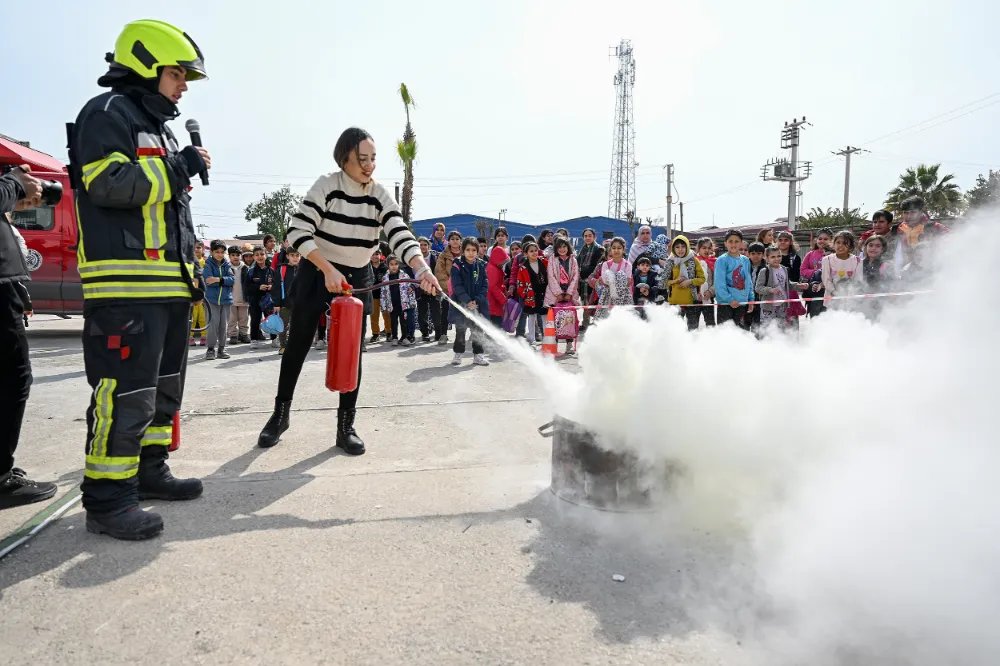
{"points": [[52, 190]]}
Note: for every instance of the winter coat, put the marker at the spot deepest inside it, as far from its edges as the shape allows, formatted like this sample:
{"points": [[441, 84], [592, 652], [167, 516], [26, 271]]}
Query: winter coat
{"points": [[284, 277], [554, 290], [468, 283], [531, 286], [431, 260], [677, 295], [442, 269], [220, 293], [407, 294], [255, 278], [649, 279], [494, 278], [239, 272]]}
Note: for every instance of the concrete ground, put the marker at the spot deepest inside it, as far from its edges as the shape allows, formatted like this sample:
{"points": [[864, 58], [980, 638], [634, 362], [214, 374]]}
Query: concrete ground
{"points": [[441, 545]]}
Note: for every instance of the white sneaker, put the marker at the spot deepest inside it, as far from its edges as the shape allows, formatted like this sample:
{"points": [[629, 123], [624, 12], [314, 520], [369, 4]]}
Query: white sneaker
{"points": [[254, 343], [405, 342], [457, 360], [320, 344], [479, 359]]}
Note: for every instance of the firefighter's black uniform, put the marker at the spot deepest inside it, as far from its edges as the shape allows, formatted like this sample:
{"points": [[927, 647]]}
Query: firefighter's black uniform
{"points": [[136, 262]]}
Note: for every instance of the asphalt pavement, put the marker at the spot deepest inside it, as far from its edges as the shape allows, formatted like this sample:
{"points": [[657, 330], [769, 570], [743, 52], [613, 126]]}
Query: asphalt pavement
{"points": [[441, 545]]}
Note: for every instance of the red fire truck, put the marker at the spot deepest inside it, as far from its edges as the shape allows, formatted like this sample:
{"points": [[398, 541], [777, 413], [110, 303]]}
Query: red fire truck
{"points": [[50, 233]]}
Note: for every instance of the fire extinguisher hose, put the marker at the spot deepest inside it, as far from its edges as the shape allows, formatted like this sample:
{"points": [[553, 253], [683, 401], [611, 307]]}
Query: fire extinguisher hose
{"points": [[364, 290]]}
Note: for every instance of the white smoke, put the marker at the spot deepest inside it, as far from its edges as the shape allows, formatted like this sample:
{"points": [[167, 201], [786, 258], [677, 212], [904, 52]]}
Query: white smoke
{"points": [[862, 461]]}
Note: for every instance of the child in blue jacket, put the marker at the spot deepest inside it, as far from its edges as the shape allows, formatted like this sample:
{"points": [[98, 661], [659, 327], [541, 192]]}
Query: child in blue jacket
{"points": [[219, 278], [733, 283], [468, 289]]}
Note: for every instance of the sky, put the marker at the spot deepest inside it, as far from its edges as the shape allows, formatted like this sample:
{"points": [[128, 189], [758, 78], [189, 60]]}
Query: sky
{"points": [[516, 98]]}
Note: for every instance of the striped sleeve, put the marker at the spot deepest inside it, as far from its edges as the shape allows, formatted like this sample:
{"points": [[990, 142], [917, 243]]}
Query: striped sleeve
{"points": [[307, 218], [400, 238]]}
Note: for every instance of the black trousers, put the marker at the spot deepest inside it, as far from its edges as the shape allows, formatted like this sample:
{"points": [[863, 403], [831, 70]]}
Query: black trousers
{"points": [[311, 300], [708, 313], [692, 316], [255, 316], [737, 315], [441, 329], [135, 357], [428, 305], [477, 337], [15, 374]]}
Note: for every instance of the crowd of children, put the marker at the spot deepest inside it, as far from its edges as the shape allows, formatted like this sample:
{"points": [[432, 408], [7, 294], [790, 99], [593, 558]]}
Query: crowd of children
{"points": [[757, 284]]}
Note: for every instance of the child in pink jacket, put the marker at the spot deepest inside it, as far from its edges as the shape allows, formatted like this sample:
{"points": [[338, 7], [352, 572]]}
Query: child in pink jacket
{"points": [[564, 288]]}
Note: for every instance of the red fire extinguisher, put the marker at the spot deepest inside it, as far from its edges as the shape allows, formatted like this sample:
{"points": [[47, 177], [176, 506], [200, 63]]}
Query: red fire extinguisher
{"points": [[344, 342]]}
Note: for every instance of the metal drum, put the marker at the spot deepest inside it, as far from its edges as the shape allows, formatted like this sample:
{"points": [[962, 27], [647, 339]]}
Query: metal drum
{"points": [[585, 473]]}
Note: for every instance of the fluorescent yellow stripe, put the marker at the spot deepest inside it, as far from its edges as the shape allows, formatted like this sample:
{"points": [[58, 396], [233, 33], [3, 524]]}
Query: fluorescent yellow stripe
{"points": [[81, 256], [156, 172], [104, 467], [90, 172], [103, 405], [155, 228], [158, 435], [136, 290], [106, 267]]}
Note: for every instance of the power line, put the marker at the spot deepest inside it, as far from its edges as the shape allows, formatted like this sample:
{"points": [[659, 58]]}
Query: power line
{"points": [[436, 178]]}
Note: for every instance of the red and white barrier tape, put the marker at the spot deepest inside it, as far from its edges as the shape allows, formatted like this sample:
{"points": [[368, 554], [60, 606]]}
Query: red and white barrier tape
{"points": [[786, 300]]}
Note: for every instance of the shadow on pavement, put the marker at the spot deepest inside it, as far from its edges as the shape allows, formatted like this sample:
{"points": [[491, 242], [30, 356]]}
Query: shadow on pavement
{"points": [[48, 379], [102, 560], [427, 374]]}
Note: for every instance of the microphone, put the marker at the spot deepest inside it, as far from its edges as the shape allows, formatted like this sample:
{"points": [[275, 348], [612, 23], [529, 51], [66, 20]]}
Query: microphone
{"points": [[194, 129]]}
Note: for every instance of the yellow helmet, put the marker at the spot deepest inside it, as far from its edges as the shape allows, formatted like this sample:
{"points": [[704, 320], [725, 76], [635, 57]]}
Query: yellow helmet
{"points": [[145, 46]]}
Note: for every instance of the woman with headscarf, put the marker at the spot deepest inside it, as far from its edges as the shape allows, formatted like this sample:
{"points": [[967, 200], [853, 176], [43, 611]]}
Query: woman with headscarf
{"points": [[642, 244]]}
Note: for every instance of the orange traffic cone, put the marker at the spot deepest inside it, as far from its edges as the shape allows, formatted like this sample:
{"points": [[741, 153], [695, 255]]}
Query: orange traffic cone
{"points": [[549, 345], [175, 433]]}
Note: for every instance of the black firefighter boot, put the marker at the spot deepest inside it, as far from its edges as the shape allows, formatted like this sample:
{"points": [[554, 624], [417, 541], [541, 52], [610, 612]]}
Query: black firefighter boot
{"points": [[132, 524], [276, 425], [347, 436], [157, 483]]}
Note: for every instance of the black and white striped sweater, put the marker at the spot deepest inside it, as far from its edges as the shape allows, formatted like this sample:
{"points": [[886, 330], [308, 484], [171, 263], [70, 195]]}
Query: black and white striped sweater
{"points": [[341, 218]]}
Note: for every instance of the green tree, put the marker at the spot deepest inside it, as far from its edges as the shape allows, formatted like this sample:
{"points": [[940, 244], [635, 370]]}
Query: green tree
{"points": [[274, 211], [406, 148], [942, 197], [986, 191], [817, 218]]}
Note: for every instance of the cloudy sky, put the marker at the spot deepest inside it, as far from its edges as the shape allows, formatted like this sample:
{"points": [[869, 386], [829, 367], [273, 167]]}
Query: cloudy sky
{"points": [[516, 103]]}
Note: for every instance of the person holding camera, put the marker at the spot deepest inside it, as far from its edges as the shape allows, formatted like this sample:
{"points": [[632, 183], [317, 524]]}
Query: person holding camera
{"points": [[18, 191], [139, 274]]}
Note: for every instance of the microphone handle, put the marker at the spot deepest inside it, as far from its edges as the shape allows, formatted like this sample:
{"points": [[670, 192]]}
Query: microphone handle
{"points": [[196, 142]]}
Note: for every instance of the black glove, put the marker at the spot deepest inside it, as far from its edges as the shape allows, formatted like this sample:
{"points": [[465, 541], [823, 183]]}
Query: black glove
{"points": [[193, 161]]}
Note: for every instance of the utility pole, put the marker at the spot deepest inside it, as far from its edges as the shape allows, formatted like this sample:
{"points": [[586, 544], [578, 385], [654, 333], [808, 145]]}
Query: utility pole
{"points": [[621, 195], [500, 216], [670, 199], [789, 169], [680, 204], [201, 230], [847, 152], [397, 193]]}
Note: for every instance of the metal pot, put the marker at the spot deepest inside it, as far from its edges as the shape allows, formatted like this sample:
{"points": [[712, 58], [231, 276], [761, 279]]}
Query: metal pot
{"points": [[583, 472]]}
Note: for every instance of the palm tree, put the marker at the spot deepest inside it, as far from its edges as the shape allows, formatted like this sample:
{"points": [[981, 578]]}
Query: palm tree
{"points": [[941, 196], [407, 151]]}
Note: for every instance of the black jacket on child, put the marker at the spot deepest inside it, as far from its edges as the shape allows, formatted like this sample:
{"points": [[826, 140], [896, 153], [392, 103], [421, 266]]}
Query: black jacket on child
{"points": [[254, 279], [284, 277]]}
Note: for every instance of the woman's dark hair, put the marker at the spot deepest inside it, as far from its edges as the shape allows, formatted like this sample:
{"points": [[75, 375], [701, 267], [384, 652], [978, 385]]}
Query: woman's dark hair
{"points": [[481, 240], [348, 143], [469, 240], [763, 232], [848, 238], [454, 234], [642, 261], [564, 232], [527, 238], [793, 247], [705, 241], [880, 239], [559, 242], [500, 230], [825, 230], [517, 243], [734, 232], [546, 234]]}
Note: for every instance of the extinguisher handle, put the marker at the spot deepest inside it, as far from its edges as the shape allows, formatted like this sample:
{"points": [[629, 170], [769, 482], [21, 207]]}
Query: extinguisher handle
{"points": [[345, 285]]}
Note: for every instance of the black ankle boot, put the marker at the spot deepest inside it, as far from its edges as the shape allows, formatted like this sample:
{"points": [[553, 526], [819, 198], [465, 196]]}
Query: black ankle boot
{"points": [[276, 425], [157, 483], [347, 436], [133, 524]]}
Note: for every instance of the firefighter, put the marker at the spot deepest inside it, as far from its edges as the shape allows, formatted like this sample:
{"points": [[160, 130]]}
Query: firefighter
{"points": [[136, 262]]}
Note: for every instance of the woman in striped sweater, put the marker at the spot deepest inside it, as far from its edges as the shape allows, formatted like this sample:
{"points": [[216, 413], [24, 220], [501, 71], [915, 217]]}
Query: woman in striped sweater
{"points": [[336, 228]]}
